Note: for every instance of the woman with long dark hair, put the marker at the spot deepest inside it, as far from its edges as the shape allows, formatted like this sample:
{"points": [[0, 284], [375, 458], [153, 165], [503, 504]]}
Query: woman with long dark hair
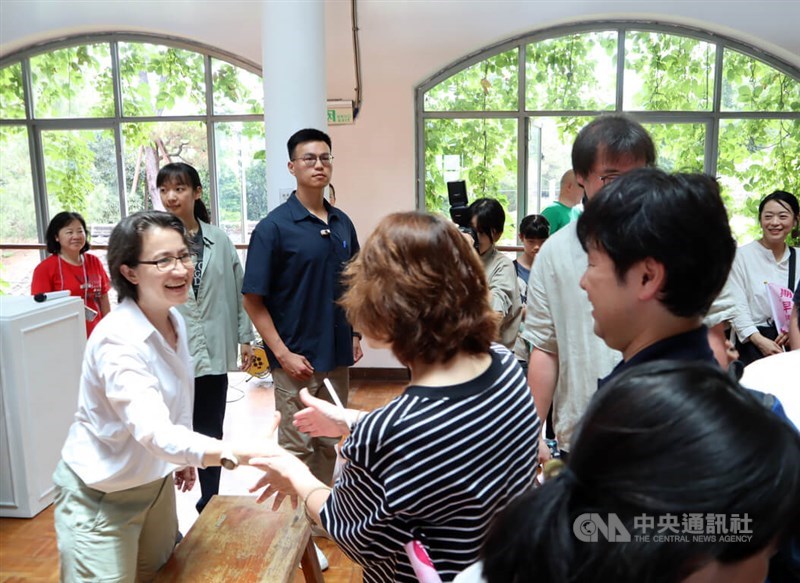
{"points": [[215, 319]]}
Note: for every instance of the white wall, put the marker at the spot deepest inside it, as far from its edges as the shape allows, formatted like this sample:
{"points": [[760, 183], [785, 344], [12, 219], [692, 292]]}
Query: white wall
{"points": [[403, 43]]}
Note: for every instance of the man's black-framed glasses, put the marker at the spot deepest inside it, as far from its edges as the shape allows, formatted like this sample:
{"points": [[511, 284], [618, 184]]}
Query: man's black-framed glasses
{"points": [[609, 178], [311, 160]]}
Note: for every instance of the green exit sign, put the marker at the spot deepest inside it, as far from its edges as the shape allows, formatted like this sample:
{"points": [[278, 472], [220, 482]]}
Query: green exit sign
{"points": [[340, 112]]}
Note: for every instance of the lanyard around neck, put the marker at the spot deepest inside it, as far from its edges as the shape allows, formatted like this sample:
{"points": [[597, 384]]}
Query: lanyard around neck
{"points": [[84, 283]]}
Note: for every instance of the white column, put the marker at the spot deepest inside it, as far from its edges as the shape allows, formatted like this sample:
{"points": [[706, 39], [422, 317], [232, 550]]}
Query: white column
{"points": [[295, 84]]}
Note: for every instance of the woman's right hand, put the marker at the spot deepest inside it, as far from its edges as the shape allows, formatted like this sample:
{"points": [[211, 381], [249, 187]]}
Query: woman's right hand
{"points": [[766, 346], [321, 418], [281, 470]]}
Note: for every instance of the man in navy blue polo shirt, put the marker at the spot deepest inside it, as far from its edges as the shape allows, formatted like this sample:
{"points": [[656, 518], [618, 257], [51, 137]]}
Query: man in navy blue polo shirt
{"points": [[660, 249], [291, 285]]}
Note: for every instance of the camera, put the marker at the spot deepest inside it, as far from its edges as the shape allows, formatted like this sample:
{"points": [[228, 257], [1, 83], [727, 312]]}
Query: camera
{"points": [[459, 211]]}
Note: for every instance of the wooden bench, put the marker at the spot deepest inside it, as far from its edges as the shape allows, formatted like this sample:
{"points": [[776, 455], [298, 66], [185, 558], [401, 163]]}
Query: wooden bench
{"points": [[235, 539]]}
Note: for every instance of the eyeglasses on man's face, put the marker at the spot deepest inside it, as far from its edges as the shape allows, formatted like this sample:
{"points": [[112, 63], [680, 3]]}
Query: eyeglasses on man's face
{"points": [[310, 160], [169, 262], [609, 178]]}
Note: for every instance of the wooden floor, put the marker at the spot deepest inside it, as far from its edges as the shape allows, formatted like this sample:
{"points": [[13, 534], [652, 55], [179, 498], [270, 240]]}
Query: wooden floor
{"points": [[28, 546]]}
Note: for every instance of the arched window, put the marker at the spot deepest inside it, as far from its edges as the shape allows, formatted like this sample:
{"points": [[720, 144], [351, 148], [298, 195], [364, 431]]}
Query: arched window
{"points": [[504, 119], [85, 124]]}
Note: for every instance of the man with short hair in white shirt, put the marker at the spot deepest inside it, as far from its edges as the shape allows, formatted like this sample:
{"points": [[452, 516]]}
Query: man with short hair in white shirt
{"points": [[567, 357]]}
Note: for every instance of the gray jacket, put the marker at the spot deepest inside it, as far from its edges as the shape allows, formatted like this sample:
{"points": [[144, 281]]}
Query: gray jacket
{"points": [[216, 322]]}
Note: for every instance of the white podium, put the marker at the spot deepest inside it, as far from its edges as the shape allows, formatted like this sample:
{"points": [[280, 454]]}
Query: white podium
{"points": [[42, 351]]}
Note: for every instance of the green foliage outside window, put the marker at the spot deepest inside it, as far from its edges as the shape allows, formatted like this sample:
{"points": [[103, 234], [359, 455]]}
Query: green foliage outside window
{"points": [[72, 165], [572, 73], [159, 80], [481, 151], [751, 85], [12, 103], [491, 85], [664, 72], [669, 83], [73, 82], [236, 90], [18, 224], [80, 160], [241, 176], [680, 147]]}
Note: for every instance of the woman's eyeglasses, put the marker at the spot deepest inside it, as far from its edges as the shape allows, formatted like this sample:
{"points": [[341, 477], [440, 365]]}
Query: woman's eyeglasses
{"points": [[169, 262]]}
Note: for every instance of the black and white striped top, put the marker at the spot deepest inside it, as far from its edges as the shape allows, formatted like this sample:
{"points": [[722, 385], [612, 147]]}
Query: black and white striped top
{"points": [[435, 464]]}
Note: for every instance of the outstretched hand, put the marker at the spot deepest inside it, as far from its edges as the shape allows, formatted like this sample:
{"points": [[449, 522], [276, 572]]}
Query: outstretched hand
{"points": [[281, 473], [264, 445], [320, 418]]}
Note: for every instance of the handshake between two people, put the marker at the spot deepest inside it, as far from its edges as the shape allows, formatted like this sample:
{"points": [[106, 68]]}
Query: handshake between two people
{"points": [[286, 475]]}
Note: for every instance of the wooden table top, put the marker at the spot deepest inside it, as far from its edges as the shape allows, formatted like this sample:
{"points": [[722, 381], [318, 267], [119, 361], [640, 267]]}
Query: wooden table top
{"points": [[235, 539]]}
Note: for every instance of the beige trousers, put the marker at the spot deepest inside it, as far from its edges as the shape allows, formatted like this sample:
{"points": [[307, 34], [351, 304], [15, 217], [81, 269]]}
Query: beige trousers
{"points": [[120, 537]]}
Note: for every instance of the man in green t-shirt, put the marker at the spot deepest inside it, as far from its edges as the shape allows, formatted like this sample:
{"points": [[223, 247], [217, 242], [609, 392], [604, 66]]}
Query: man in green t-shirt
{"points": [[565, 209]]}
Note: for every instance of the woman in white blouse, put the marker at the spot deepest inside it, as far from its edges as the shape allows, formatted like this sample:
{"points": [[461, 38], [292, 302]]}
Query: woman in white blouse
{"points": [[132, 441], [769, 259]]}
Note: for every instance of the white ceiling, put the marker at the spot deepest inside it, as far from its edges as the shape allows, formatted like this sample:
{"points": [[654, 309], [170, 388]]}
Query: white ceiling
{"points": [[422, 37]]}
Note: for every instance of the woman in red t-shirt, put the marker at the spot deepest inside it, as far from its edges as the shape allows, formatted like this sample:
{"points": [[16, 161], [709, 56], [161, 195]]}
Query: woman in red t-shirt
{"points": [[69, 267]]}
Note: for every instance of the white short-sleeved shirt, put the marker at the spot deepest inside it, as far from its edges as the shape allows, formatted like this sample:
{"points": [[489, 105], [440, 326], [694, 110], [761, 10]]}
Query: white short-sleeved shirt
{"points": [[777, 375]]}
